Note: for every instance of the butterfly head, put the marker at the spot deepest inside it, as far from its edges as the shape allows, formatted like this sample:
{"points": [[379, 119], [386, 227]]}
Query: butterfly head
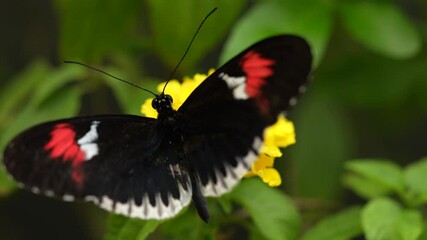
{"points": [[162, 103]]}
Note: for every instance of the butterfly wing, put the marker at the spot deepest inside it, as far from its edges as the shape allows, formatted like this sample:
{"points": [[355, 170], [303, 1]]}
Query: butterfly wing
{"points": [[117, 161], [226, 115]]}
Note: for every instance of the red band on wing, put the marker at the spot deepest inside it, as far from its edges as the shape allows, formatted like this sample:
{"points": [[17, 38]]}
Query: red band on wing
{"points": [[63, 144], [257, 69]]}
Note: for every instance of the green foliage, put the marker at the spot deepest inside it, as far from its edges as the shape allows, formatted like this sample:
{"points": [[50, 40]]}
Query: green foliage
{"points": [[123, 228], [378, 172], [342, 225], [90, 30], [415, 179], [382, 27], [187, 226], [129, 99], [275, 218], [383, 218], [283, 17], [170, 39]]}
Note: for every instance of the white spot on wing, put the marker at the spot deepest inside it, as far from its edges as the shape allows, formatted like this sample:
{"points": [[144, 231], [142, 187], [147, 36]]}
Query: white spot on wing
{"points": [[92, 199], [68, 198], [146, 210], [233, 174], [87, 142], [49, 193], [293, 101], [159, 205], [106, 203], [237, 84], [136, 210], [35, 190], [90, 149], [240, 93], [122, 208]]}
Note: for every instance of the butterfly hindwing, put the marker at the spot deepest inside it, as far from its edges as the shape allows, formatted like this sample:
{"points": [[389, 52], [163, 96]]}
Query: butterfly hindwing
{"points": [[119, 162], [226, 115]]}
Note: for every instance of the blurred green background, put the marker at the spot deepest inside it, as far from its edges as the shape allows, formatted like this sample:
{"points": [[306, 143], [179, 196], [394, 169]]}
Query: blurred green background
{"points": [[368, 98]]}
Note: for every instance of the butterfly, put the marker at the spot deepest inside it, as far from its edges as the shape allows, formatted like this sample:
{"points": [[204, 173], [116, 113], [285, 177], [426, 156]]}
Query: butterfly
{"points": [[152, 168]]}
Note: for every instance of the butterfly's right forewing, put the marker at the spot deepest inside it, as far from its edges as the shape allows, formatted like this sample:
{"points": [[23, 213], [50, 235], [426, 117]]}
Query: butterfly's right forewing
{"points": [[226, 115]]}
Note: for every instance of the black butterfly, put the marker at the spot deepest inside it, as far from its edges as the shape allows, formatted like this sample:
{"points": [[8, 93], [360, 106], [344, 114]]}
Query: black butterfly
{"points": [[151, 168]]}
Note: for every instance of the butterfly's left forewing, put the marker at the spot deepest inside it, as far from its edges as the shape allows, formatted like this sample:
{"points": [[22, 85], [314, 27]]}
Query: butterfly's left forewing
{"points": [[118, 162]]}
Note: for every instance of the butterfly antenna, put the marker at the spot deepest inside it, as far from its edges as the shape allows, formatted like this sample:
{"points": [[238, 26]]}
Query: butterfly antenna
{"points": [[188, 48], [101, 71]]}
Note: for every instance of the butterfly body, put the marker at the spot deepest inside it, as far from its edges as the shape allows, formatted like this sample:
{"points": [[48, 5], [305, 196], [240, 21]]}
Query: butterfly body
{"points": [[152, 168]]}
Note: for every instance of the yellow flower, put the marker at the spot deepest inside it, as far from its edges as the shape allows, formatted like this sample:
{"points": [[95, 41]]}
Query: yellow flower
{"points": [[281, 134]]}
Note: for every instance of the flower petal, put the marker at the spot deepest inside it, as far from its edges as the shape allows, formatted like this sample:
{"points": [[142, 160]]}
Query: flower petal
{"points": [[270, 176], [262, 162], [147, 109], [281, 134]]}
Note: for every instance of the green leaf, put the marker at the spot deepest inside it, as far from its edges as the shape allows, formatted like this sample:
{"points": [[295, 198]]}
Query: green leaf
{"points": [[175, 22], [415, 179], [18, 90], [272, 212], [129, 98], [268, 18], [90, 29], [123, 228], [379, 171], [379, 219], [255, 233], [340, 226], [32, 87], [187, 225], [383, 218], [382, 27], [54, 80], [423, 235], [410, 224], [225, 203], [365, 187]]}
